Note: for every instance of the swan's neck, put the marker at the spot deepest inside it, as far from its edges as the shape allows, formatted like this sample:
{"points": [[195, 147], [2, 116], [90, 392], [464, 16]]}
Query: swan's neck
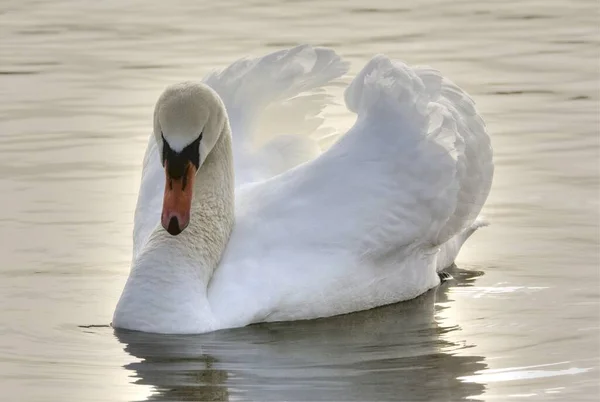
{"points": [[167, 287], [202, 243]]}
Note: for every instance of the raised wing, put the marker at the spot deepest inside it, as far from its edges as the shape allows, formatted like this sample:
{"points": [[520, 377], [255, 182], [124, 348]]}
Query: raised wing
{"points": [[397, 179], [265, 90], [475, 168]]}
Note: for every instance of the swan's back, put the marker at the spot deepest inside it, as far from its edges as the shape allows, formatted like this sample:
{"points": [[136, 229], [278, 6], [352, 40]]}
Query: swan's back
{"points": [[361, 224]]}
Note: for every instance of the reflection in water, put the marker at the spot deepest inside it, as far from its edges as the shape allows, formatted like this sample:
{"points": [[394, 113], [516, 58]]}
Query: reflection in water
{"points": [[395, 352]]}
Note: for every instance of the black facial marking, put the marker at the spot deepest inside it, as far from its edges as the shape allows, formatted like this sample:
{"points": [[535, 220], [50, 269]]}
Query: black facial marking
{"points": [[184, 181], [177, 161]]}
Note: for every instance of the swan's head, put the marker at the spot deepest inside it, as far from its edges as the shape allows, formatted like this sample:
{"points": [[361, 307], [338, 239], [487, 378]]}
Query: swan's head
{"points": [[188, 120]]}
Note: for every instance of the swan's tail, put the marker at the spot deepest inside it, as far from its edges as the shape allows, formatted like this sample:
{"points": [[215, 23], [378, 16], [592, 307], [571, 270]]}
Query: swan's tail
{"points": [[449, 250], [249, 85]]}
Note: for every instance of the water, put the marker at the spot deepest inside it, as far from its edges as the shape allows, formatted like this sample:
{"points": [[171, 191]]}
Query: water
{"points": [[78, 81]]}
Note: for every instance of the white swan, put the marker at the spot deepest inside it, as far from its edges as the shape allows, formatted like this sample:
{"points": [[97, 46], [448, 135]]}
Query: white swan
{"points": [[368, 222]]}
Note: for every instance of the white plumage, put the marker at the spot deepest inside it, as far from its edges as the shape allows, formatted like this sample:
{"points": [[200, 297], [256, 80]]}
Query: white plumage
{"points": [[368, 222]]}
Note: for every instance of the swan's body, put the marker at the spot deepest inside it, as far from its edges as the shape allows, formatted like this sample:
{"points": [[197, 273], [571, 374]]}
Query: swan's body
{"points": [[368, 222]]}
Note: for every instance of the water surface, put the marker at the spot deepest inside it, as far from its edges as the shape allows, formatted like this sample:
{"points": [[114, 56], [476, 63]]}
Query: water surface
{"points": [[78, 81]]}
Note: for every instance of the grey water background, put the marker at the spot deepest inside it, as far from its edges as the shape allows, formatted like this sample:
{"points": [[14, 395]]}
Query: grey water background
{"points": [[521, 320]]}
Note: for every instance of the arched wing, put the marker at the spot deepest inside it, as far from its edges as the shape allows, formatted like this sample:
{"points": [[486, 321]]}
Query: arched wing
{"points": [[404, 175], [273, 125]]}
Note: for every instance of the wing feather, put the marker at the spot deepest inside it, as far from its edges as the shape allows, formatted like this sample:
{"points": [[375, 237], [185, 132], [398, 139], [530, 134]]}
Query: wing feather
{"points": [[404, 175], [249, 87]]}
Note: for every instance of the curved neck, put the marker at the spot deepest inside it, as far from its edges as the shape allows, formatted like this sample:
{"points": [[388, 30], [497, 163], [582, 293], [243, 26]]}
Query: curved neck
{"points": [[212, 213], [169, 278]]}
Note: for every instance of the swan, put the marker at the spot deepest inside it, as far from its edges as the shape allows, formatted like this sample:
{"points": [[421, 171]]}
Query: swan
{"points": [[229, 231]]}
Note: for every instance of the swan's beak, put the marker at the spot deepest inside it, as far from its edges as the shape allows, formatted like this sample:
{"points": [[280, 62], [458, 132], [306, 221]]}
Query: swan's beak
{"points": [[178, 199]]}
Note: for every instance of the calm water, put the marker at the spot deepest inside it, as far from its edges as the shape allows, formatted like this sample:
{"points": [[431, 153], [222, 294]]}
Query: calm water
{"points": [[78, 81]]}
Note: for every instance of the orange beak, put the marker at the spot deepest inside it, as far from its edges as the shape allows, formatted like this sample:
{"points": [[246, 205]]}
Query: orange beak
{"points": [[178, 200]]}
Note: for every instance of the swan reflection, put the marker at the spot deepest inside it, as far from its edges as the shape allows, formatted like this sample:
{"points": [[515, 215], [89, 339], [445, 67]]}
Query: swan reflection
{"points": [[394, 352]]}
